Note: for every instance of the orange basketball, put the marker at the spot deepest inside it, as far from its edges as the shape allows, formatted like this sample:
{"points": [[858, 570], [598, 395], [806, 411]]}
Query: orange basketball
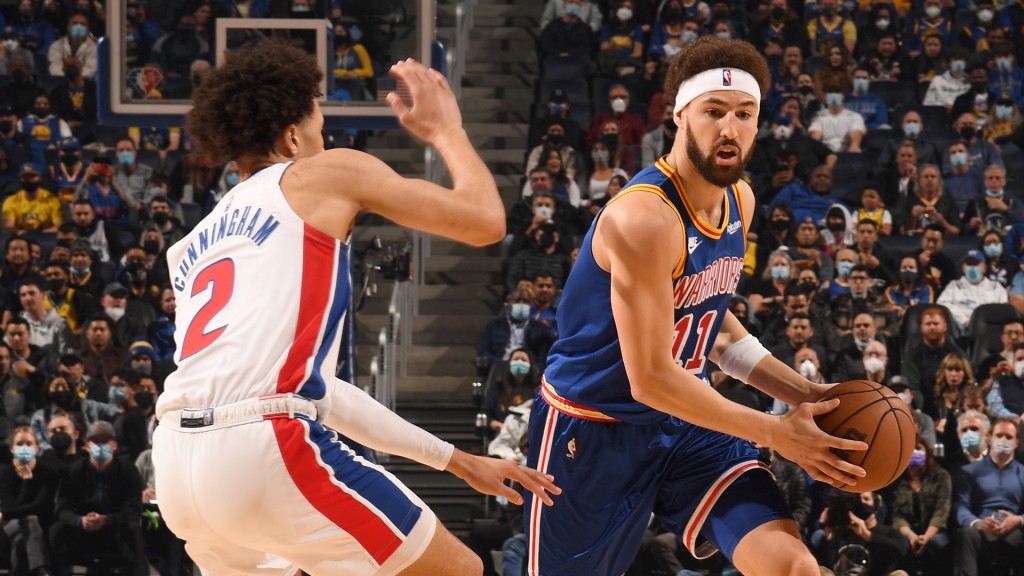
{"points": [[874, 414]]}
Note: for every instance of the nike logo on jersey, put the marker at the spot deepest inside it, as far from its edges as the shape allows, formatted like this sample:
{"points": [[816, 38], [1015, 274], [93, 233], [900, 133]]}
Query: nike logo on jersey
{"points": [[693, 244], [734, 227]]}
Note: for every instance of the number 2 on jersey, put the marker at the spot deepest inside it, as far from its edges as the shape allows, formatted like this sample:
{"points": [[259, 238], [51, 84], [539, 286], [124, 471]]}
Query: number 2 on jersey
{"points": [[696, 362], [219, 278]]}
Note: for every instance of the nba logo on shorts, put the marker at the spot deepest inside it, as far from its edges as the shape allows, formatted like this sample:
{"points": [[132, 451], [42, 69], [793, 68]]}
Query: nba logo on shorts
{"points": [[726, 77]]}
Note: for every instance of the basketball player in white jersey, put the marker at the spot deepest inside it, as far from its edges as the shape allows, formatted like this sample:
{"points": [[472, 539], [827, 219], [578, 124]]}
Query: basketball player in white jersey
{"points": [[248, 470]]}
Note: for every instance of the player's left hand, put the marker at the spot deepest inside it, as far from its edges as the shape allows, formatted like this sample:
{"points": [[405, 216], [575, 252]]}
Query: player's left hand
{"points": [[488, 475]]}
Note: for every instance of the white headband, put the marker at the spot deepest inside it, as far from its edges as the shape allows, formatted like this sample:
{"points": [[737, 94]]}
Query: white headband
{"points": [[732, 79]]}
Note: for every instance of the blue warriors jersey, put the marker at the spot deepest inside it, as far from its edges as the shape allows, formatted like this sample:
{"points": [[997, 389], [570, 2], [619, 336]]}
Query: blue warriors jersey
{"points": [[585, 375]]}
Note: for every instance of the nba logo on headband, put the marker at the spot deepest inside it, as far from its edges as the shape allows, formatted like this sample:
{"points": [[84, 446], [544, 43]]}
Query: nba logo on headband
{"points": [[726, 77]]}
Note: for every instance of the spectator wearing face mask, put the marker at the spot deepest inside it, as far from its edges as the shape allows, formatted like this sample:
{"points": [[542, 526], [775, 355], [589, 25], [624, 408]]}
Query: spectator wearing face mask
{"points": [[569, 34], [836, 127], [909, 288], [872, 109], [78, 43], [963, 184], [1006, 396], [28, 487], [1003, 122], [805, 359], [110, 204], [132, 176], [511, 330], [37, 33], [631, 126], [161, 214], [946, 87], [851, 359], [32, 209], [994, 209], [44, 129], [542, 256], [989, 503], [972, 290], [830, 27], [922, 501], [587, 12], [511, 383], [554, 139], [979, 100], [74, 99]]}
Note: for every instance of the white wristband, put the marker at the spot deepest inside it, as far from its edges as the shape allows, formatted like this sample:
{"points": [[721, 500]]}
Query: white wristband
{"points": [[739, 359]]}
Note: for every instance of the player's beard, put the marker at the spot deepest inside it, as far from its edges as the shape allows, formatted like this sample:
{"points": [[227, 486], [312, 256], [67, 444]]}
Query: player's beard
{"points": [[706, 165]]}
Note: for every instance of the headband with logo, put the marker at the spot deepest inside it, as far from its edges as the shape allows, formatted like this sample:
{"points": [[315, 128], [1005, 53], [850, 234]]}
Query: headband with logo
{"points": [[732, 79]]}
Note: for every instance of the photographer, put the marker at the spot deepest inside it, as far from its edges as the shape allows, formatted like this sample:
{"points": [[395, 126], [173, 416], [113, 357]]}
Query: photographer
{"points": [[850, 527]]}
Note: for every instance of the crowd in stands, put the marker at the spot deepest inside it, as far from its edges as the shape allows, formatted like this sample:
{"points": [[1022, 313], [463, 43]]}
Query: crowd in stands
{"points": [[887, 245], [88, 212]]}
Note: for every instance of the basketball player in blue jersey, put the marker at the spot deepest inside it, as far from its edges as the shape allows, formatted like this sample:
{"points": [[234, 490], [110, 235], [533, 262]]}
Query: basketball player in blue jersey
{"points": [[625, 418]]}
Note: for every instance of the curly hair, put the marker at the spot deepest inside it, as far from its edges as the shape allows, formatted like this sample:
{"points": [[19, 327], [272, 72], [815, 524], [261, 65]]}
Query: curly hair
{"points": [[246, 102], [711, 52]]}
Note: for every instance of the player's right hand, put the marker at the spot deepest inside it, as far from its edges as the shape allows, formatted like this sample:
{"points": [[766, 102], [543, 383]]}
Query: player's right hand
{"points": [[801, 441], [434, 112], [488, 475]]}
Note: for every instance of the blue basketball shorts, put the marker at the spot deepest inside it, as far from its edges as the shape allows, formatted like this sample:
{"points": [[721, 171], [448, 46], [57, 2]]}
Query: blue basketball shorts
{"points": [[707, 487]]}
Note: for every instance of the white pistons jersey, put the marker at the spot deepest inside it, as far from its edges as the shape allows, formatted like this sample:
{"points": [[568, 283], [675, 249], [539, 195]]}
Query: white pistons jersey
{"points": [[261, 298]]}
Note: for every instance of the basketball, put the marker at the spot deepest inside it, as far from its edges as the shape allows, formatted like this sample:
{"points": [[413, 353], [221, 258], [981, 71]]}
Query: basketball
{"points": [[873, 414]]}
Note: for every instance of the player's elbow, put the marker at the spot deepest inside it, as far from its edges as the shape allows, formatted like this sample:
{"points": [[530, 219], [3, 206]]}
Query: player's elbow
{"points": [[489, 229], [645, 385]]}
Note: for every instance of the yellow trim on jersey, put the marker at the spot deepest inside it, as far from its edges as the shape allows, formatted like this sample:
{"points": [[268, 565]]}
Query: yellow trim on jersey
{"points": [[571, 408], [737, 191], [704, 227], [678, 271]]}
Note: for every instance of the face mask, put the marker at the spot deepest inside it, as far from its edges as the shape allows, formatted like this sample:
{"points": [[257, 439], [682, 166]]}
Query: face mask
{"points": [[6, 126], [882, 23], [161, 218], [861, 343], [669, 125], [905, 397], [611, 141], [572, 9], [79, 271], [985, 15], [300, 8], [144, 399], [519, 368], [1018, 369], [808, 370], [917, 458], [143, 368], [126, 158], [101, 452], [520, 311], [933, 11], [828, 11], [600, 157], [69, 159], [61, 398], [30, 186], [24, 454], [805, 90], [131, 38], [780, 273], [724, 35], [1003, 112], [973, 274], [544, 211], [151, 246], [78, 31], [833, 99], [56, 285], [979, 87], [912, 129], [688, 36], [845, 268], [873, 365], [618, 105], [778, 13], [117, 395], [114, 313], [970, 441], [1004, 64], [559, 109], [547, 239], [1002, 447], [993, 250], [72, 71], [860, 85], [958, 159], [232, 179], [41, 111], [958, 66], [60, 441], [782, 132], [623, 14], [908, 276], [11, 45]]}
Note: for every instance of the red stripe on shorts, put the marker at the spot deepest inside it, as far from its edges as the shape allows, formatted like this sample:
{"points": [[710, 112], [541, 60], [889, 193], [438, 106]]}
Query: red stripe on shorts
{"points": [[318, 256], [314, 480]]}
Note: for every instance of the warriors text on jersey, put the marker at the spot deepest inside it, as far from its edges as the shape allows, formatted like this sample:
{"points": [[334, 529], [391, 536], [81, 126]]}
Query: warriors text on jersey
{"points": [[251, 250], [585, 372]]}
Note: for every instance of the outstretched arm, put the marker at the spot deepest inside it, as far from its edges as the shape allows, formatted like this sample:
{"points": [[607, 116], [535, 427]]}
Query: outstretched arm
{"points": [[355, 414]]}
